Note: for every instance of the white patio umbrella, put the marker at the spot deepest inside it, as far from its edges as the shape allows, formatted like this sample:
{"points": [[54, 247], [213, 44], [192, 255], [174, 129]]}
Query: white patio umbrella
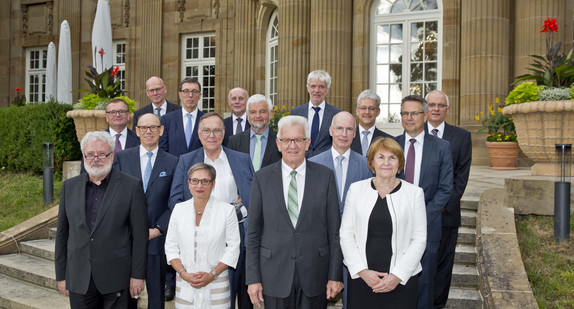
{"points": [[65, 65], [51, 73], [102, 37]]}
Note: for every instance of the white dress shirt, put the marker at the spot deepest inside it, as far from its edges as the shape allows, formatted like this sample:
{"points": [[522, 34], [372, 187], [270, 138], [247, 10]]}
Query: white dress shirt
{"points": [[286, 174], [163, 108], [123, 138], [144, 158], [440, 129], [418, 154], [345, 164], [311, 113], [369, 137], [234, 118], [193, 118], [225, 187]]}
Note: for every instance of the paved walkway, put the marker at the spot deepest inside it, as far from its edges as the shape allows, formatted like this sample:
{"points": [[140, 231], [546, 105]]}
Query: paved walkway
{"points": [[483, 178]]}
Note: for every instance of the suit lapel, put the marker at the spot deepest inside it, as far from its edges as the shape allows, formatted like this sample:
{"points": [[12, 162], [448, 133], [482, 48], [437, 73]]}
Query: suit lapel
{"points": [[324, 130], [79, 187], [244, 142], [428, 147], [277, 182], [158, 166], [401, 140]]}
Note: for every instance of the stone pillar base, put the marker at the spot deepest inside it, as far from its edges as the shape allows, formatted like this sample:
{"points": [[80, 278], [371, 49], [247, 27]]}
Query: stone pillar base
{"points": [[71, 169], [546, 169], [531, 195]]}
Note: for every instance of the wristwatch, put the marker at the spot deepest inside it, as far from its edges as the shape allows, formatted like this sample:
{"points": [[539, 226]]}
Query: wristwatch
{"points": [[214, 274]]}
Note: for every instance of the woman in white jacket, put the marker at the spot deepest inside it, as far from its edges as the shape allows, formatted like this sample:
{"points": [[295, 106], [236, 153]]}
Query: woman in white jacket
{"points": [[201, 242], [383, 233]]}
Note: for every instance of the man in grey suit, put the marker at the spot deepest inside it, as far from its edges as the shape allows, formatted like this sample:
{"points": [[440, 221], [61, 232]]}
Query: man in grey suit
{"points": [[318, 113], [367, 110], [156, 168], [155, 90], [347, 165], [428, 164], [237, 122], [293, 255], [101, 243]]}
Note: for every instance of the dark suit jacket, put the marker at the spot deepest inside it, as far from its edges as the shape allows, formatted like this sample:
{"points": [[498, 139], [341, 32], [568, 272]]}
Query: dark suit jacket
{"points": [[357, 170], [229, 125], [461, 150], [149, 109], [240, 142], [132, 139], [241, 168], [435, 180], [274, 246], [356, 145], [323, 141], [173, 138], [116, 249], [157, 193]]}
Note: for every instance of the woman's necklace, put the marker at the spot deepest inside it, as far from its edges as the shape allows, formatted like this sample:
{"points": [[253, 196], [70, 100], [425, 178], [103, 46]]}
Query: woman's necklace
{"points": [[199, 213]]}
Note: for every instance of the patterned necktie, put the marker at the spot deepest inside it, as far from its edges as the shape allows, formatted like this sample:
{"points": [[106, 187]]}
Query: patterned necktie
{"points": [[365, 142], [315, 125], [410, 166], [239, 128], [118, 144], [257, 153], [434, 132], [147, 172], [188, 129], [158, 111], [292, 199], [339, 175]]}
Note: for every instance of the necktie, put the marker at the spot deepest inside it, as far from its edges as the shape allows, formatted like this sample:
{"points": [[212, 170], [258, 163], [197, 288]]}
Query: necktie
{"points": [[158, 111], [434, 132], [188, 129], [339, 174], [147, 171], [365, 142], [257, 153], [239, 128], [315, 125], [410, 166], [118, 144], [292, 199]]}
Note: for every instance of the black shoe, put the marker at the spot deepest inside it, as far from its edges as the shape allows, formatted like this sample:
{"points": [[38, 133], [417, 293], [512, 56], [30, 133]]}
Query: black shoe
{"points": [[169, 293]]}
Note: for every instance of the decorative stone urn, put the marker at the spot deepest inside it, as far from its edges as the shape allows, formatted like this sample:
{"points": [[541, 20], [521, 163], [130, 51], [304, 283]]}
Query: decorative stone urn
{"points": [[539, 126], [503, 155], [89, 120]]}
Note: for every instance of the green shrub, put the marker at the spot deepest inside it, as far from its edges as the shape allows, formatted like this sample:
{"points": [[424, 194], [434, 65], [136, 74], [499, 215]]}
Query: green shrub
{"points": [[525, 92], [25, 129], [554, 94], [94, 102]]}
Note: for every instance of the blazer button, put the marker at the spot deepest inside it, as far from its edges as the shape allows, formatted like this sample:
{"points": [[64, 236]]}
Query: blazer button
{"points": [[91, 239]]}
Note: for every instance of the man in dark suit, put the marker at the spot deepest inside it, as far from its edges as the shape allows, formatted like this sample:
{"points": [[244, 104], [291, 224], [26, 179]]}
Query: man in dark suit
{"points": [[428, 164], [293, 255], [101, 243], [232, 183], [318, 113], [117, 117], [461, 150], [155, 90], [180, 129], [367, 111], [237, 122], [156, 168], [259, 112]]}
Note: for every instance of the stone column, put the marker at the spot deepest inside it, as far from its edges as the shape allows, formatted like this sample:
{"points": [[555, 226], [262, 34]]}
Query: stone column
{"points": [[244, 53], [151, 41], [331, 45], [293, 64], [485, 43]]}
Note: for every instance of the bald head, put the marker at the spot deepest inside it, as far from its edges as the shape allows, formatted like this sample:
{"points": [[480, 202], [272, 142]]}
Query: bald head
{"points": [[155, 90], [237, 99], [342, 131]]}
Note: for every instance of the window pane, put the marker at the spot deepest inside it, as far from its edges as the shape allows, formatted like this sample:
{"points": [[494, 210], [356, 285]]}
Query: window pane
{"points": [[383, 34], [396, 72], [396, 53], [395, 93], [383, 54], [416, 72], [416, 52], [417, 88], [397, 33], [417, 31], [383, 73], [430, 72]]}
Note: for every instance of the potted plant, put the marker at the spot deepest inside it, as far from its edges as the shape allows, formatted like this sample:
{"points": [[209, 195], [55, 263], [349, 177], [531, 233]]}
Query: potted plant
{"points": [[501, 139], [543, 109]]}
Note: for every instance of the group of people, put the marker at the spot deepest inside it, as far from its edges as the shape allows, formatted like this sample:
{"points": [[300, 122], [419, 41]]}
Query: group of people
{"points": [[225, 213]]}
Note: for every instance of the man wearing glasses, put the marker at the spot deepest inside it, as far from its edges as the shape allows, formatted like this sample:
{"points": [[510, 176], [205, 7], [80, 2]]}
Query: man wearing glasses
{"points": [[117, 117], [367, 111], [232, 184], [155, 90], [180, 129], [101, 243], [428, 164], [155, 167]]}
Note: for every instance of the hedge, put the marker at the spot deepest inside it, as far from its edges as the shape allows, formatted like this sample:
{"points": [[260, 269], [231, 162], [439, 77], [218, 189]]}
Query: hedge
{"points": [[23, 130]]}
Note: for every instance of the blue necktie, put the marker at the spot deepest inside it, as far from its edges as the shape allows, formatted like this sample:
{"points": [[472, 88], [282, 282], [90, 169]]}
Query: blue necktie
{"points": [[188, 129], [315, 125], [147, 172]]}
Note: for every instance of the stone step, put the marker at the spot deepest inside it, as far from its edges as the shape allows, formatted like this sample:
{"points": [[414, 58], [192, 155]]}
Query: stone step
{"points": [[466, 235], [29, 268], [19, 294], [464, 276], [42, 248], [468, 218], [464, 298], [465, 254], [52, 233], [469, 202]]}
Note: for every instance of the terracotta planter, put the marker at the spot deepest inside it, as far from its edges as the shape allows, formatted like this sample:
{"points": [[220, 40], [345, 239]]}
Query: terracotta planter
{"points": [[89, 120], [503, 155]]}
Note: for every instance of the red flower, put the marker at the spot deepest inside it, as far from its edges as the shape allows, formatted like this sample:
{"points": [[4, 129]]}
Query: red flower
{"points": [[18, 89], [550, 25], [115, 71], [101, 52]]}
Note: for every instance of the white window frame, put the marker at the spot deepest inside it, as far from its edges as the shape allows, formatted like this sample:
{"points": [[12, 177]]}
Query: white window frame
{"points": [[202, 62], [119, 60], [406, 19], [270, 64], [39, 72]]}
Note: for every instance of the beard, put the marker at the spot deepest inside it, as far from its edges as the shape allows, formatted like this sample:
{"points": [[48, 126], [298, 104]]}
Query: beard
{"points": [[98, 169]]}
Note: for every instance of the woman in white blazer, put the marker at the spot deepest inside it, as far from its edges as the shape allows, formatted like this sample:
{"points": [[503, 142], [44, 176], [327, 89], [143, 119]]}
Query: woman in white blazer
{"points": [[383, 233], [201, 242]]}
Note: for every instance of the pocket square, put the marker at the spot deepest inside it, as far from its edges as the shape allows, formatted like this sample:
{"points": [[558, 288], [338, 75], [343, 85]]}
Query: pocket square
{"points": [[163, 174]]}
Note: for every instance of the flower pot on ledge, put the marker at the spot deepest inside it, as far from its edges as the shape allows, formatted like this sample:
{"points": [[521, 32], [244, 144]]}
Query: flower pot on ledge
{"points": [[89, 120], [503, 155]]}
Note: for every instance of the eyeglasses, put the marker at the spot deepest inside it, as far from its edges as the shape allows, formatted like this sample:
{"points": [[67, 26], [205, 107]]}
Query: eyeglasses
{"points": [[145, 128], [117, 113], [204, 181], [287, 141], [340, 130], [155, 89], [91, 157], [187, 91], [412, 114], [440, 105], [370, 108], [207, 132]]}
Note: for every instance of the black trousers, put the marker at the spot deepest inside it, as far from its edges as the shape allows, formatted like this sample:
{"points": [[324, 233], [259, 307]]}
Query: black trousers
{"points": [[93, 299], [445, 263]]}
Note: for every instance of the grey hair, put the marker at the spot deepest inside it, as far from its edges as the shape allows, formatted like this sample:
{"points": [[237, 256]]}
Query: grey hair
{"points": [[97, 136], [256, 98], [321, 76], [369, 94], [293, 121], [438, 91], [417, 98], [202, 166]]}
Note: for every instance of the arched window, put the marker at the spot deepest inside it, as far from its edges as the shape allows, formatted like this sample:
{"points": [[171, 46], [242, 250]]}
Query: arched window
{"points": [[405, 51], [271, 58]]}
